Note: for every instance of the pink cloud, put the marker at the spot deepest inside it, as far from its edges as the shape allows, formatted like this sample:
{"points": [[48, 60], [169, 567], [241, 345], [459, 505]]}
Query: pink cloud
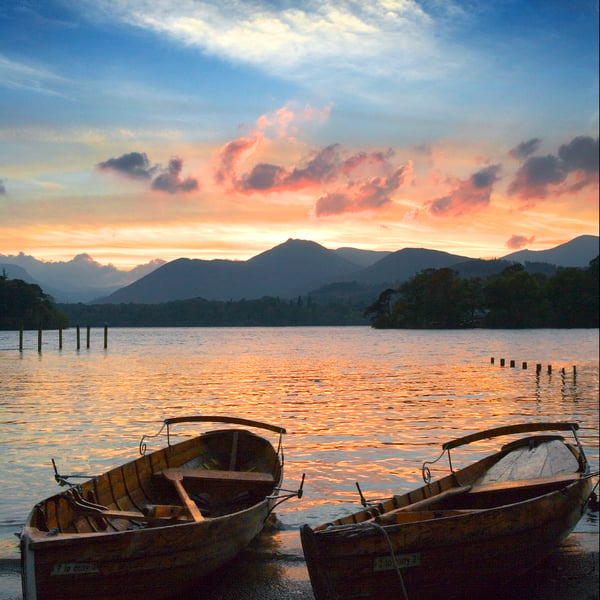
{"points": [[518, 241], [358, 182], [468, 195], [372, 194], [342, 182], [231, 155]]}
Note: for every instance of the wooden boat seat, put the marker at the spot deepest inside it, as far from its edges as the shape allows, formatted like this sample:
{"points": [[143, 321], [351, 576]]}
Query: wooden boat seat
{"points": [[222, 476], [536, 482], [416, 506], [218, 475]]}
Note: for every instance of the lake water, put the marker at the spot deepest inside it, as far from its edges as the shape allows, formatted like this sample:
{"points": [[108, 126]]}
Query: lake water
{"points": [[359, 405]]}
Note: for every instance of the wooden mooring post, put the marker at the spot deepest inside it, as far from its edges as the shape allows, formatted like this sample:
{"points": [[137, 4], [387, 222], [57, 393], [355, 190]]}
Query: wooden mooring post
{"points": [[40, 337], [538, 367]]}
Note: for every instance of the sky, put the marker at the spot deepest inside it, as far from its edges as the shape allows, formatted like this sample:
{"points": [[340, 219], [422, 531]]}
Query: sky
{"points": [[133, 130]]}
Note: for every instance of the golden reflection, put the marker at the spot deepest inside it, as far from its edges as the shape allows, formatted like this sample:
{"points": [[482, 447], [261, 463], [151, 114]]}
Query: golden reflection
{"points": [[359, 405]]}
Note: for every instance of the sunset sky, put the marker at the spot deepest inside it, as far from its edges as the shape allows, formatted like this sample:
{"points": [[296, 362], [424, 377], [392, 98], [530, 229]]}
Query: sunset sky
{"points": [[139, 129]]}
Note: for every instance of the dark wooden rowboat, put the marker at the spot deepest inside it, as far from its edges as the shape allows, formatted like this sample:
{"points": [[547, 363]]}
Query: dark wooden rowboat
{"points": [[463, 535], [153, 526]]}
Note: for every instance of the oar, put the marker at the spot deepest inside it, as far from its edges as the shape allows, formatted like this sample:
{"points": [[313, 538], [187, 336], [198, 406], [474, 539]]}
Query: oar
{"points": [[175, 478]]}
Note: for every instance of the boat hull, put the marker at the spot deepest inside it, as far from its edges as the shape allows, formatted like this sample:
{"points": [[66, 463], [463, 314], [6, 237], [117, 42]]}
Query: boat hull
{"points": [[154, 526], [156, 563], [454, 557], [462, 536]]}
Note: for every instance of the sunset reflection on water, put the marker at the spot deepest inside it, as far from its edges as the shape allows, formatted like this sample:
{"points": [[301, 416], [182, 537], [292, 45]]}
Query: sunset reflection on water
{"points": [[359, 405]]}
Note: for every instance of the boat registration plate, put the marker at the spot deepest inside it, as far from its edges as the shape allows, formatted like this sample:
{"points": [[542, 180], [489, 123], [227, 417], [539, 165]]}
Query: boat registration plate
{"points": [[74, 569], [386, 563]]}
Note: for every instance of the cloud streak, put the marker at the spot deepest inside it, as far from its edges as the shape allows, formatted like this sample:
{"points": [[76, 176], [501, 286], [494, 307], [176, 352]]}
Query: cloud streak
{"points": [[299, 40]]}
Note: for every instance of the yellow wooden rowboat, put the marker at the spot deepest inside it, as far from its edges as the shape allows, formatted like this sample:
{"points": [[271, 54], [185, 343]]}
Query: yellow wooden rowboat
{"points": [[463, 535], [153, 526]]}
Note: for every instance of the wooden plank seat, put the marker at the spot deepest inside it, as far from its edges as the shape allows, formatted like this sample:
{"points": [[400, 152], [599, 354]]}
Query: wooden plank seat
{"points": [[456, 497], [222, 476], [426, 502], [536, 482], [217, 487]]}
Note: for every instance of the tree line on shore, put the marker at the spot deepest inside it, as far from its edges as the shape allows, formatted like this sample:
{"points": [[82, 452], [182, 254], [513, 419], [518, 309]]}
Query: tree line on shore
{"points": [[433, 299], [26, 306], [513, 298]]}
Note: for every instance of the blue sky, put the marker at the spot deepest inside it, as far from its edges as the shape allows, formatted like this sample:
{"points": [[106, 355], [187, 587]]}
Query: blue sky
{"points": [[139, 129]]}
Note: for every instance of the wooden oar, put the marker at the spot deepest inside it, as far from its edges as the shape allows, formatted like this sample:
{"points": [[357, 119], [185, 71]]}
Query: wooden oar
{"points": [[175, 478]]}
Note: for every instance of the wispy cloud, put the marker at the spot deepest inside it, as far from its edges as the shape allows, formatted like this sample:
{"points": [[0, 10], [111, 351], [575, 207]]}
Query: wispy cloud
{"points": [[22, 76], [377, 38]]}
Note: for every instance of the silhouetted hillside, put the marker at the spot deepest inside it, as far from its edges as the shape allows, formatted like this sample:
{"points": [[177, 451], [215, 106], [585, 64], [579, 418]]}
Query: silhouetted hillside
{"points": [[287, 270], [399, 266], [576, 253], [300, 268]]}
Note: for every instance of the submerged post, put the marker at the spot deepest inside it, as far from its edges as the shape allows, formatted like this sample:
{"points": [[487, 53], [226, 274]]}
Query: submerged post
{"points": [[87, 337], [60, 338], [21, 340], [78, 338], [105, 336], [39, 339]]}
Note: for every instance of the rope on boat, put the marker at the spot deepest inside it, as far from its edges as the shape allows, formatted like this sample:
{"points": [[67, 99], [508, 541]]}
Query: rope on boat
{"points": [[143, 447], [382, 530], [426, 473]]}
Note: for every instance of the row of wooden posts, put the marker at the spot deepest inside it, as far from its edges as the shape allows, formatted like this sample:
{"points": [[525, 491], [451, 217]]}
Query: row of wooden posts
{"points": [[538, 366], [60, 338]]}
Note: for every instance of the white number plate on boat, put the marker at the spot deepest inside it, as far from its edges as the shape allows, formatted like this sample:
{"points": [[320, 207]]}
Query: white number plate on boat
{"points": [[74, 569], [386, 563]]}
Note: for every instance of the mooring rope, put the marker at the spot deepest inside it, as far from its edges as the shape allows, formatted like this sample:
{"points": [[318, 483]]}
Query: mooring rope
{"points": [[382, 530]]}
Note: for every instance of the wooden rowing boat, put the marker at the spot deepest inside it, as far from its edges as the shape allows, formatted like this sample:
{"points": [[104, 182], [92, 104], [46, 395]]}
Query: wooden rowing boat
{"points": [[153, 526], [463, 535]]}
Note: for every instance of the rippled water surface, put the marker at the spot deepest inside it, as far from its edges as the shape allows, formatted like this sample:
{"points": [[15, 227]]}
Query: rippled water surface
{"points": [[359, 405]]}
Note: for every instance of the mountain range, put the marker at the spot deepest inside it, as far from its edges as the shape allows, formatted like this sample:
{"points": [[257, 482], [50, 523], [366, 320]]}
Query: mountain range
{"points": [[291, 269]]}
